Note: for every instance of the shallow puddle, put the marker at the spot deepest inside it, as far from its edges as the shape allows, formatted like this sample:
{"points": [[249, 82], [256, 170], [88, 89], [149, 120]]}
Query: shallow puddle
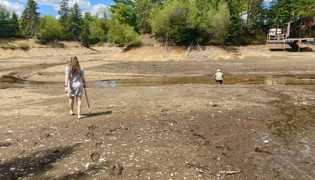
{"points": [[12, 82]]}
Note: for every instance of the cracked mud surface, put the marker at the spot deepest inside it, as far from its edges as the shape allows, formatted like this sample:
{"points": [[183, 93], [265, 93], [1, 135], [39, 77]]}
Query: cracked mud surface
{"points": [[191, 131]]}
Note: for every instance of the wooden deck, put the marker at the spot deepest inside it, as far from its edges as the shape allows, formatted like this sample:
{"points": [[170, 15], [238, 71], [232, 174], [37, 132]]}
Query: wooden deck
{"points": [[291, 40], [282, 41]]}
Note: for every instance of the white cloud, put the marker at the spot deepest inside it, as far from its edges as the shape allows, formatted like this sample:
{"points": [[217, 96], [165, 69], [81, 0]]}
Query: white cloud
{"points": [[54, 3], [16, 7], [97, 8], [85, 5]]}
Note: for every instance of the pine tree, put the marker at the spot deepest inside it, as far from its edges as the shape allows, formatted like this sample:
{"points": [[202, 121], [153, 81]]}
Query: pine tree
{"points": [[306, 9], [125, 11], [143, 8], [14, 25], [4, 21], [30, 18], [76, 20], [64, 13], [85, 33]]}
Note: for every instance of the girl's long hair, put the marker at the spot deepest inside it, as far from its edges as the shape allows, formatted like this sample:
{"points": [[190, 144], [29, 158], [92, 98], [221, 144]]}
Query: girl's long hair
{"points": [[74, 65]]}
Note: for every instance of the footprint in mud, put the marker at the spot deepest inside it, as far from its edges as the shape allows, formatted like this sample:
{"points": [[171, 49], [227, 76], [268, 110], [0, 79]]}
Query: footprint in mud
{"points": [[95, 157], [8, 133], [219, 147], [2, 145], [89, 135], [116, 170], [199, 135], [45, 136], [260, 150], [92, 127], [99, 144]]}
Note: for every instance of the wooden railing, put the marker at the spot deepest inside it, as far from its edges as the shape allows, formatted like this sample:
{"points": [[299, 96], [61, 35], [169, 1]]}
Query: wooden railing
{"points": [[278, 37]]}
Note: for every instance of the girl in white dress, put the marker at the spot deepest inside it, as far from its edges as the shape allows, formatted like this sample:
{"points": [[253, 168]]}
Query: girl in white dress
{"points": [[74, 83]]}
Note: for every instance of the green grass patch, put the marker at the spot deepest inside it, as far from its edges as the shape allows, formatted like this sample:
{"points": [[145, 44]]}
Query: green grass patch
{"points": [[24, 46], [42, 41], [13, 47], [48, 73], [4, 45]]}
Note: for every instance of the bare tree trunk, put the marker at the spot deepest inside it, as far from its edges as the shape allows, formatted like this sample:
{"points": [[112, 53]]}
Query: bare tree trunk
{"points": [[247, 15], [277, 30], [241, 21], [241, 25], [310, 28], [256, 23], [295, 19], [300, 26]]}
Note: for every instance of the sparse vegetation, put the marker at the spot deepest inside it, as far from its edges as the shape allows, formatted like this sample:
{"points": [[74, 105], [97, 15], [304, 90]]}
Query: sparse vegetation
{"points": [[8, 46], [42, 42], [173, 21], [24, 46], [3, 45], [11, 46]]}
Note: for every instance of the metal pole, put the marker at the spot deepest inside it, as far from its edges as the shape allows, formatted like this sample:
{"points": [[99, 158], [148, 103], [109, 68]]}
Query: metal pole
{"points": [[299, 45]]}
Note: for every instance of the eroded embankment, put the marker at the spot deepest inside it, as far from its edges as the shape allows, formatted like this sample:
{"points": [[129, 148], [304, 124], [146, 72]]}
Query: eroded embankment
{"points": [[53, 48]]}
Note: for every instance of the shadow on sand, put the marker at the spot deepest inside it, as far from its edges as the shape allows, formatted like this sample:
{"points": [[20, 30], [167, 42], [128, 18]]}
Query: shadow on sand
{"points": [[34, 165], [293, 50], [98, 114]]}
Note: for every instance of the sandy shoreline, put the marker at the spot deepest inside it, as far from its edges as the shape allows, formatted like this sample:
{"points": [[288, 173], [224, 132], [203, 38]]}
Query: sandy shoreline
{"points": [[191, 131]]}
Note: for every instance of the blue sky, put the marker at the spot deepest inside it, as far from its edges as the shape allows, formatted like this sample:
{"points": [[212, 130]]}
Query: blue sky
{"points": [[51, 7]]}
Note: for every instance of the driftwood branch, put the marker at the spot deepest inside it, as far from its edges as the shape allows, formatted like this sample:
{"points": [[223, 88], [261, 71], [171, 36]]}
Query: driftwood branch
{"points": [[201, 50], [189, 49]]}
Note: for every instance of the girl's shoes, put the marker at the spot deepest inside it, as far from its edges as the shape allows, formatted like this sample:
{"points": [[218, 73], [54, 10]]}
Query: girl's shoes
{"points": [[80, 117], [71, 112]]}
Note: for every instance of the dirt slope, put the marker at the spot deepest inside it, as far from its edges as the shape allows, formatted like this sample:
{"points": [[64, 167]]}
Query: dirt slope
{"points": [[55, 48]]}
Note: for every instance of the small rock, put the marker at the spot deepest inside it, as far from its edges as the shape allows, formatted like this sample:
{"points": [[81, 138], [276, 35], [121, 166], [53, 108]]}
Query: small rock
{"points": [[92, 127], [116, 170], [95, 157]]}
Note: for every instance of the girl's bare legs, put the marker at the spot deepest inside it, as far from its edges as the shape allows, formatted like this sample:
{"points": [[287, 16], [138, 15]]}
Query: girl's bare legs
{"points": [[71, 103], [79, 101]]}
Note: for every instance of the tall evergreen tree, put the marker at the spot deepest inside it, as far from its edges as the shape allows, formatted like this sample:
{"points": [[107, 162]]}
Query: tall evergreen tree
{"points": [[14, 25], [143, 8], [76, 20], [4, 21], [124, 11], [85, 33], [306, 9], [30, 18], [64, 13]]}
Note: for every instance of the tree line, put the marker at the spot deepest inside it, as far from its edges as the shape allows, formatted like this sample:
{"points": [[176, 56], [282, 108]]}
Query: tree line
{"points": [[173, 21]]}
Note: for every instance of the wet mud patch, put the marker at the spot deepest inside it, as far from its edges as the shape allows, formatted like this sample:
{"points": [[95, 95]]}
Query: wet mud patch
{"points": [[17, 82], [168, 132], [292, 135], [33, 165]]}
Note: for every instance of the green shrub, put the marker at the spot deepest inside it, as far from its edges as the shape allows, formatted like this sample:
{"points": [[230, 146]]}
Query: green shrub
{"points": [[13, 47], [260, 37], [94, 41], [123, 34], [3, 45], [42, 41], [104, 39], [13, 39], [24, 46]]}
